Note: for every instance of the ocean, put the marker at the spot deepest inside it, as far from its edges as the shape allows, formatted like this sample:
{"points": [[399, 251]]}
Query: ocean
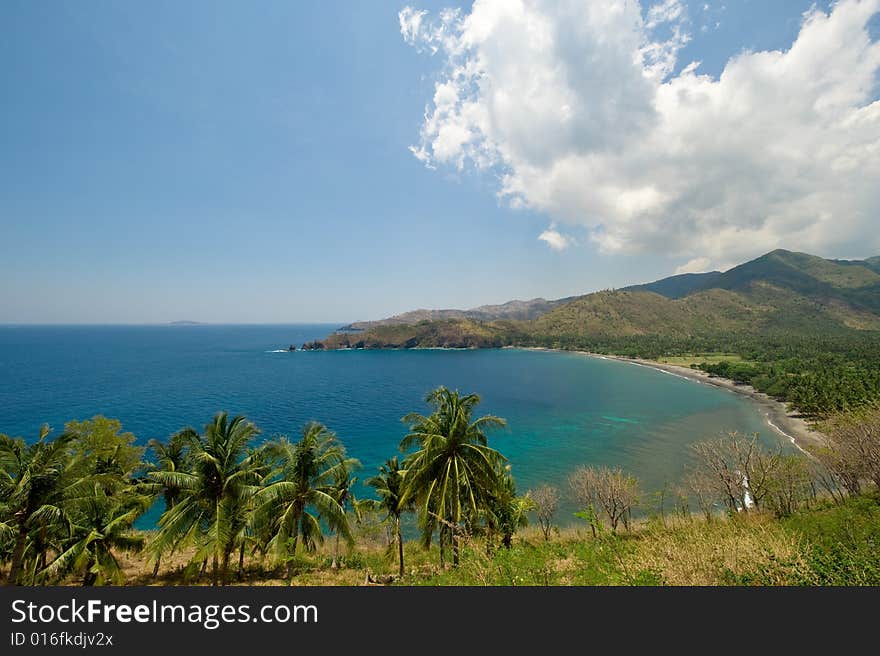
{"points": [[563, 409]]}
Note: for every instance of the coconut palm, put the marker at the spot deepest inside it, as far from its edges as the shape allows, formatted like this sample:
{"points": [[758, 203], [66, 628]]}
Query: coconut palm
{"points": [[302, 493], [262, 462], [33, 482], [213, 495], [100, 527], [506, 512], [453, 471], [343, 492], [388, 485], [171, 456]]}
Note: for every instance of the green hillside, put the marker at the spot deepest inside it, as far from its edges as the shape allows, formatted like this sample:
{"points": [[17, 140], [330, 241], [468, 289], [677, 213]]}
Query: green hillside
{"points": [[802, 328], [782, 291], [678, 286], [833, 282]]}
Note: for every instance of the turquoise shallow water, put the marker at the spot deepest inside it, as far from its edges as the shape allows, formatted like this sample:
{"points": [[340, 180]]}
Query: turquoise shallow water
{"points": [[563, 409]]}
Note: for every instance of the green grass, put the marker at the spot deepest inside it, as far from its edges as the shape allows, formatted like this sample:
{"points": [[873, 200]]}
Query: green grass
{"points": [[826, 545], [842, 542]]}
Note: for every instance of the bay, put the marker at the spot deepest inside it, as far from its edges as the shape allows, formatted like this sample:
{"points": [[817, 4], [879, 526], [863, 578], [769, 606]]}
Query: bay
{"points": [[563, 409]]}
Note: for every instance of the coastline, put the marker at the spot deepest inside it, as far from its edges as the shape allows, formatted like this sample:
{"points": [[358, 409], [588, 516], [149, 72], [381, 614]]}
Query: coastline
{"points": [[791, 426]]}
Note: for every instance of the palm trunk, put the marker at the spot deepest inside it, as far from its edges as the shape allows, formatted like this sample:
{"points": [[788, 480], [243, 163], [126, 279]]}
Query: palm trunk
{"points": [[292, 554], [202, 570], [241, 561], [89, 579], [17, 556], [442, 542], [156, 566], [335, 563], [399, 546], [224, 566], [215, 569], [455, 540]]}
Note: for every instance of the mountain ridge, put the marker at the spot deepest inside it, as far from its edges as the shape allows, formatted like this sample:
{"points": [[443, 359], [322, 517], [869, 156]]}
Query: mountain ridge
{"points": [[782, 291], [515, 310]]}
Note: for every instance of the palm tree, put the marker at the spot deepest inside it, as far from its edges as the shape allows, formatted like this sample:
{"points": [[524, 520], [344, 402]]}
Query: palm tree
{"points": [[388, 485], [33, 483], [101, 525], [343, 492], [171, 456], [262, 462], [291, 506], [453, 472], [506, 512], [213, 495]]}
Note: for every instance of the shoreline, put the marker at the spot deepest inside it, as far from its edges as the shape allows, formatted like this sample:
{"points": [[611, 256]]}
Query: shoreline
{"points": [[793, 427]]}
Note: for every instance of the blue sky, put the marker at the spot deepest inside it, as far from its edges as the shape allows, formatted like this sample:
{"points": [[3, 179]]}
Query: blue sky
{"points": [[240, 162]]}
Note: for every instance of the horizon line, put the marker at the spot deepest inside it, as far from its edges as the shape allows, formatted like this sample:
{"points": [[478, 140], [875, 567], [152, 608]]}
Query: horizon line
{"points": [[172, 324]]}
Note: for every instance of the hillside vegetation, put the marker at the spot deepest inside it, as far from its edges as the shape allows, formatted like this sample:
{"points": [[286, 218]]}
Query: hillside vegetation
{"points": [[286, 511], [807, 328], [825, 545]]}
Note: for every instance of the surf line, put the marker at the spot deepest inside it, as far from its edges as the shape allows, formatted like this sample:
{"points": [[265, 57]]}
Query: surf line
{"points": [[790, 437], [764, 410]]}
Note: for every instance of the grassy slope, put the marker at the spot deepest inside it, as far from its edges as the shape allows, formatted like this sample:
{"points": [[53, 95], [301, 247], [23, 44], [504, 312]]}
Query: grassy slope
{"points": [[828, 545]]}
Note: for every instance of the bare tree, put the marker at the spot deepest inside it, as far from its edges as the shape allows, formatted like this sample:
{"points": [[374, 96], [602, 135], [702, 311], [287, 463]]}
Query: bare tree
{"points": [[583, 488], [853, 452], [791, 486], [828, 479], [612, 490], [546, 500], [761, 470], [718, 467], [704, 489], [843, 469], [741, 470], [742, 473]]}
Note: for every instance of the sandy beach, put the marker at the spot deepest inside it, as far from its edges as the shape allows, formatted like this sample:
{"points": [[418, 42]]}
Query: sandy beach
{"points": [[796, 429], [801, 434]]}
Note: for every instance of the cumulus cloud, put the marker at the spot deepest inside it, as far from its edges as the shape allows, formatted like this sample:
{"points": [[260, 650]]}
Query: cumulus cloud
{"points": [[555, 239], [577, 108], [696, 265]]}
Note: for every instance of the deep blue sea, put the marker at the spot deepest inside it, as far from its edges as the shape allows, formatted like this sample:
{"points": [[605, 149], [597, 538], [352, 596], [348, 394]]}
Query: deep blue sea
{"points": [[562, 409]]}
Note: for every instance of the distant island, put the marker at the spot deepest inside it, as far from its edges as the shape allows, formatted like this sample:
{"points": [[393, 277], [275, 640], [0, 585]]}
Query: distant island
{"points": [[186, 323]]}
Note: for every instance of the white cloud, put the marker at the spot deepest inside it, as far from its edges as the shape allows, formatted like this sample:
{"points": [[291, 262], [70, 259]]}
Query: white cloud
{"points": [[696, 265], [575, 106], [665, 11], [411, 24], [555, 239]]}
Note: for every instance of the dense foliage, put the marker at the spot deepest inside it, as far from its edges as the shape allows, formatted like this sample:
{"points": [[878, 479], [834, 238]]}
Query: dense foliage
{"points": [[68, 504], [817, 375]]}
